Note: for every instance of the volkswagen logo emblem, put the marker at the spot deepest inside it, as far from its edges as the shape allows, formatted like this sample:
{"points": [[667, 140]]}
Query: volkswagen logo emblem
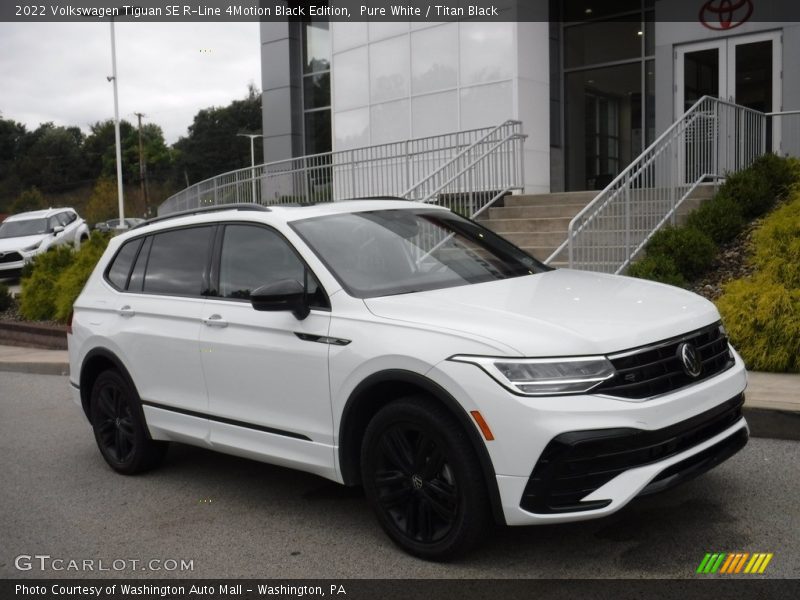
{"points": [[687, 354], [416, 481]]}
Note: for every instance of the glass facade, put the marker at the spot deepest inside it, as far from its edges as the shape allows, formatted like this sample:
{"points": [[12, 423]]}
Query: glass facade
{"points": [[316, 87], [609, 87]]}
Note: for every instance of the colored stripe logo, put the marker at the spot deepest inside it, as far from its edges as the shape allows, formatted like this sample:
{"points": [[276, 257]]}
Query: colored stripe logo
{"points": [[734, 563]]}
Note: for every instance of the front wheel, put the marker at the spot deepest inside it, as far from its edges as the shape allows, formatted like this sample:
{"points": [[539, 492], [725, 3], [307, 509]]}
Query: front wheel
{"points": [[422, 478], [119, 427]]}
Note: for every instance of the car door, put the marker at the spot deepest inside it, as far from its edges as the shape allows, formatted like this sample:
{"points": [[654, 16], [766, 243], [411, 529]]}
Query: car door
{"points": [[266, 376], [155, 322]]}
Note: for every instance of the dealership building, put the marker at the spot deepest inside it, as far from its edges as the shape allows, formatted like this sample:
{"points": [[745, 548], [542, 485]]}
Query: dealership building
{"points": [[593, 82]]}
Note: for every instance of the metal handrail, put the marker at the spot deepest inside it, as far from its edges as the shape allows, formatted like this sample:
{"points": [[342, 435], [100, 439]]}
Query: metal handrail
{"points": [[473, 145], [472, 166], [713, 137]]}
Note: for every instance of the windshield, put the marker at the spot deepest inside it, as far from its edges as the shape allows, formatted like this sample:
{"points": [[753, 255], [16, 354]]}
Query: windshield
{"points": [[12, 229], [387, 252]]}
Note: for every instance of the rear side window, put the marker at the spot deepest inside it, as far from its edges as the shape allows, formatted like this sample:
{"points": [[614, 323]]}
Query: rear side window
{"points": [[177, 262], [118, 272]]}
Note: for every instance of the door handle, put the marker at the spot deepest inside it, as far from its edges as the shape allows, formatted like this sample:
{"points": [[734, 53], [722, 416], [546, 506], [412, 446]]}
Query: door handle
{"points": [[215, 321], [126, 311]]}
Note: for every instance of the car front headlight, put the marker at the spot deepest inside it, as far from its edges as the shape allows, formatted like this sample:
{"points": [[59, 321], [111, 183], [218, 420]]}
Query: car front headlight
{"points": [[545, 376]]}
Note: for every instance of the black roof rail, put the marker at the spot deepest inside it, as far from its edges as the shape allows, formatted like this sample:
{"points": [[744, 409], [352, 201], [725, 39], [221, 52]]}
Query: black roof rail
{"points": [[206, 209]]}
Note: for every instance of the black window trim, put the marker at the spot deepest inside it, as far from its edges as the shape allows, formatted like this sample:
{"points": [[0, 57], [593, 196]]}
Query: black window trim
{"points": [[205, 279], [217, 257]]}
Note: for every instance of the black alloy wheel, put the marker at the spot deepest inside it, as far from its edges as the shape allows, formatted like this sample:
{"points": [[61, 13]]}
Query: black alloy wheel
{"points": [[119, 428], [421, 476]]}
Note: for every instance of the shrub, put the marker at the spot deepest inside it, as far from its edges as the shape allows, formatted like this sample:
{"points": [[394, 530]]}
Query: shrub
{"points": [[657, 267], [37, 297], [72, 279], [720, 218], [762, 312], [5, 298], [777, 244], [692, 251], [779, 172], [750, 190], [57, 277], [763, 321]]}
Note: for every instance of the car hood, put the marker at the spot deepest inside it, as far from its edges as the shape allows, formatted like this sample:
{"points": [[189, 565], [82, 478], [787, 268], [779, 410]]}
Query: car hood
{"points": [[17, 243], [557, 313]]}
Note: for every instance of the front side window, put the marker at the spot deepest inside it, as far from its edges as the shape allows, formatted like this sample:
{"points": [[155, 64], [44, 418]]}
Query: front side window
{"points": [[387, 252], [254, 256], [177, 262]]}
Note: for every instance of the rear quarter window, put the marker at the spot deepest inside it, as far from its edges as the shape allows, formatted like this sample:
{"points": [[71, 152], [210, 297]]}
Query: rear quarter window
{"points": [[120, 267]]}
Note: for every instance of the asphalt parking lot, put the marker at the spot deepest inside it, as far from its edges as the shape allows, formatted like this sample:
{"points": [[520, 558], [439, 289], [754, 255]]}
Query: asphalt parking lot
{"points": [[237, 518]]}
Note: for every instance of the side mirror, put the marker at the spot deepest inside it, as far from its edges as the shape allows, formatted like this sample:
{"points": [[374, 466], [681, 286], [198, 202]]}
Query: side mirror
{"points": [[287, 294], [58, 229]]}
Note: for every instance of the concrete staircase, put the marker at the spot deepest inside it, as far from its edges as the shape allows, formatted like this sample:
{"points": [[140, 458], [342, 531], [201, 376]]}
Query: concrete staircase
{"points": [[538, 223]]}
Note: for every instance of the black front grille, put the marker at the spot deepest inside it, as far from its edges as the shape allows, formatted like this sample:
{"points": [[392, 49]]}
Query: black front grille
{"points": [[575, 464], [657, 368], [10, 257]]}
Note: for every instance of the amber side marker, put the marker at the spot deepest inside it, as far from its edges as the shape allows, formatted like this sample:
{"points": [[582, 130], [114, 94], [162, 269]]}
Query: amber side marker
{"points": [[487, 433]]}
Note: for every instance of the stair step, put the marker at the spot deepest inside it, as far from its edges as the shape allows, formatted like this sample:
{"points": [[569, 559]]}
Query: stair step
{"points": [[534, 212], [539, 238], [529, 225], [550, 199]]}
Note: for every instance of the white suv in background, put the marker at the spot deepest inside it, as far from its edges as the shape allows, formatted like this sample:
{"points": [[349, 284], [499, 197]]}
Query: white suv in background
{"points": [[400, 347], [26, 235]]}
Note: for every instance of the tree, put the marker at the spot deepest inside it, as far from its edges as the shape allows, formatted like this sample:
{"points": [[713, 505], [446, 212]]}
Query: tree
{"points": [[52, 158], [11, 136], [212, 146], [103, 203], [101, 148], [30, 199]]}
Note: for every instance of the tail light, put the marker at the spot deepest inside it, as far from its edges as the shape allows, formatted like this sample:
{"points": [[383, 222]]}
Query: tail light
{"points": [[69, 322]]}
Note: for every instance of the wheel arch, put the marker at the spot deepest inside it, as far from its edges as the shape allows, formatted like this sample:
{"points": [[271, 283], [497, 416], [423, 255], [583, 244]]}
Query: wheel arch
{"points": [[381, 388], [94, 363]]}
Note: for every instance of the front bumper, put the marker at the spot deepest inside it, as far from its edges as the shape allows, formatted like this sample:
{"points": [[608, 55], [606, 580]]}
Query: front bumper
{"points": [[665, 439]]}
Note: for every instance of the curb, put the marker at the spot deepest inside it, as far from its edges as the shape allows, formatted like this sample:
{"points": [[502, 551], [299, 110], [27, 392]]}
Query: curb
{"points": [[773, 423], [35, 368], [33, 335]]}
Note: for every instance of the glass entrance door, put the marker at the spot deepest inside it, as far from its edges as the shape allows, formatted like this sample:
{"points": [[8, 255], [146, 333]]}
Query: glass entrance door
{"points": [[744, 70]]}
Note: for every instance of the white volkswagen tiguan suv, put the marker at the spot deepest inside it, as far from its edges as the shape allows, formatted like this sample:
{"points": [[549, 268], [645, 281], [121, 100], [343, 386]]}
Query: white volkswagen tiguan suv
{"points": [[400, 347]]}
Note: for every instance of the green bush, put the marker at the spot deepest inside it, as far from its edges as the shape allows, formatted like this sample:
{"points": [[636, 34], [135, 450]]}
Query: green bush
{"points": [[657, 267], [57, 277], [5, 297], [751, 191], [763, 320], [762, 312], [37, 296], [777, 244], [781, 173], [691, 250], [720, 218], [73, 278]]}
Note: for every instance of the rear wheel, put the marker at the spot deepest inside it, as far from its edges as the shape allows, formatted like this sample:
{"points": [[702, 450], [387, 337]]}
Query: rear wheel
{"points": [[119, 427], [422, 478]]}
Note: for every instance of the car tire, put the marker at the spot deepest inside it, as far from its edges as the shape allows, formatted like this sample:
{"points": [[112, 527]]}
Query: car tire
{"points": [[119, 427], [422, 478]]}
